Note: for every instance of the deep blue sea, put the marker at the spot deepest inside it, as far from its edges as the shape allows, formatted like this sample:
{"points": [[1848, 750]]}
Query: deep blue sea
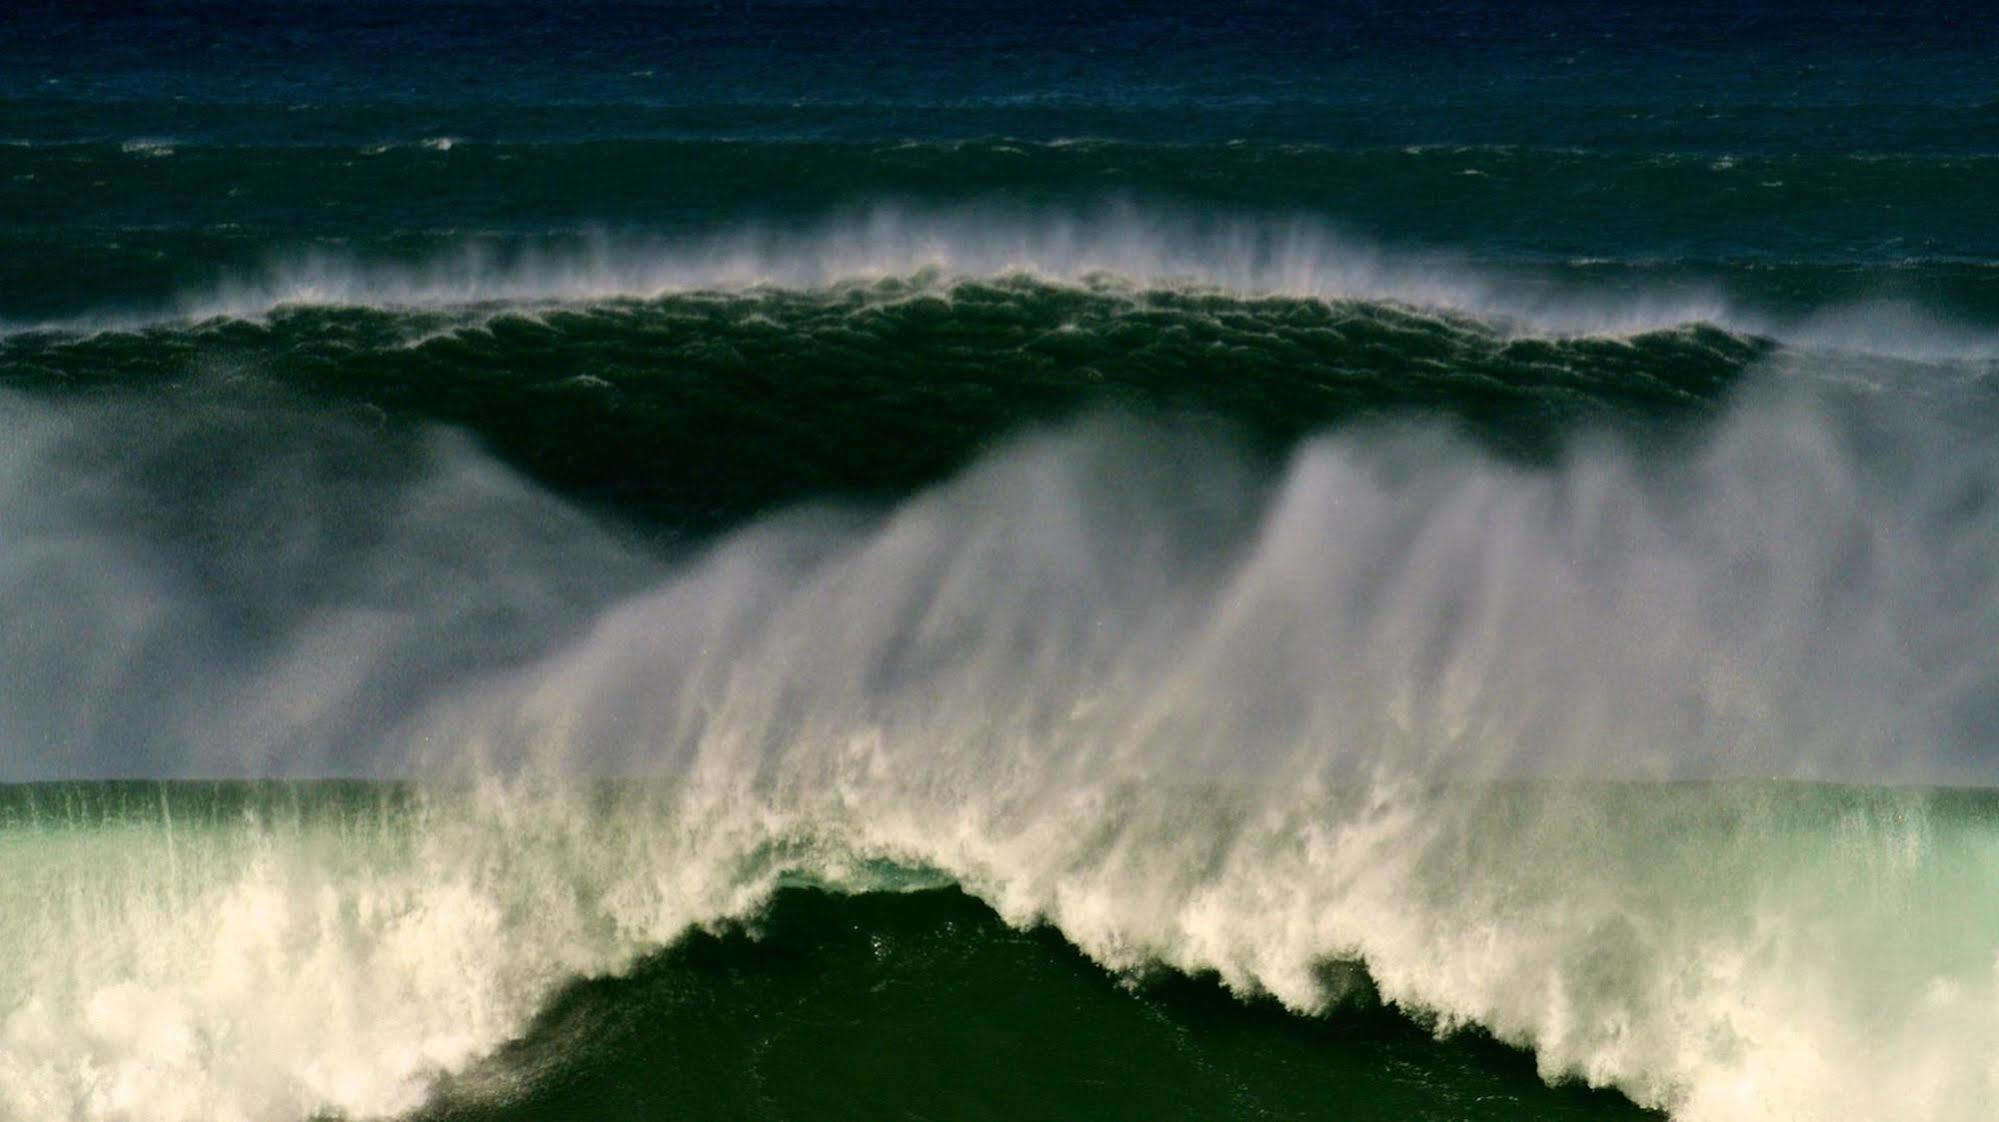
{"points": [[871, 560]]}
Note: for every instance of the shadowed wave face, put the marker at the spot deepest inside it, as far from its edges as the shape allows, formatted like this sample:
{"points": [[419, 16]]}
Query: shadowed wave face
{"points": [[806, 562]]}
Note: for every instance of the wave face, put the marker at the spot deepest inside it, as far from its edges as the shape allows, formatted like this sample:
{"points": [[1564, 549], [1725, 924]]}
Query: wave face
{"points": [[696, 408], [795, 561]]}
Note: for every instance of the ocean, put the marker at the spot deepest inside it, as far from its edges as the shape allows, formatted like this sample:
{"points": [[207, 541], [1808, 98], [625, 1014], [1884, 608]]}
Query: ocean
{"points": [[847, 559]]}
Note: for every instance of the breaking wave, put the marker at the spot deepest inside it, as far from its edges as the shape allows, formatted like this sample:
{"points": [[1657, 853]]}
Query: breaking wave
{"points": [[1631, 759]]}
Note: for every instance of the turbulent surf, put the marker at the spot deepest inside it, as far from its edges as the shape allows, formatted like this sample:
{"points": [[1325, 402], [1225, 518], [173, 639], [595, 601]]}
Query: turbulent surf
{"points": [[802, 562]]}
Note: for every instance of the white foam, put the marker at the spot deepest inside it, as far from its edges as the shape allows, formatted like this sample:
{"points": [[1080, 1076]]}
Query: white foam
{"points": [[279, 968], [148, 146]]}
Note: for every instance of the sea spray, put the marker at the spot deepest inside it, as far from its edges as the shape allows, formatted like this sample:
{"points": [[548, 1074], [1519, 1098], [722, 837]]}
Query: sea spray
{"points": [[1525, 741]]}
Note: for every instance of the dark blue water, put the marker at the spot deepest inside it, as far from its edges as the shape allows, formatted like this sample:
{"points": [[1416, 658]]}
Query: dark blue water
{"points": [[1792, 141]]}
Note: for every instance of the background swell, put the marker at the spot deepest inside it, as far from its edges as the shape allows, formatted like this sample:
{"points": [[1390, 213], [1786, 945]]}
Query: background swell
{"points": [[701, 408]]}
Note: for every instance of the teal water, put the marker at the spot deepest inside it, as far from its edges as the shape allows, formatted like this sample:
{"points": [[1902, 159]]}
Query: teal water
{"points": [[637, 950]]}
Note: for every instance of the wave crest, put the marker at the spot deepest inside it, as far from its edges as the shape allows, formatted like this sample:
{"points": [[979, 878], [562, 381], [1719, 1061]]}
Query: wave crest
{"points": [[1145, 247]]}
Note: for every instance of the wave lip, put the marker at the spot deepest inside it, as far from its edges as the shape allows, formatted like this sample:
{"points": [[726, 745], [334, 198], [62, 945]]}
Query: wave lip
{"points": [[1127, 247]]}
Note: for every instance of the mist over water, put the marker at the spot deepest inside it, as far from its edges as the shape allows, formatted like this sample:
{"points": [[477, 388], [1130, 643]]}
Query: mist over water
{"points": [[1801, 592], [1390, 598], [225, 582]]}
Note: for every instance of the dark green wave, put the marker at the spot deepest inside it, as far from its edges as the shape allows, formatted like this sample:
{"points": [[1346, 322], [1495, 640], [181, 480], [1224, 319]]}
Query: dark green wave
{"points": [[926, 1005], [705, 407]]}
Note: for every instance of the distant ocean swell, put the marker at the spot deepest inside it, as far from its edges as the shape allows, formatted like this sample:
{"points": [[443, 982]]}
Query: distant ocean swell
{"points": [[1683, 201]]}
